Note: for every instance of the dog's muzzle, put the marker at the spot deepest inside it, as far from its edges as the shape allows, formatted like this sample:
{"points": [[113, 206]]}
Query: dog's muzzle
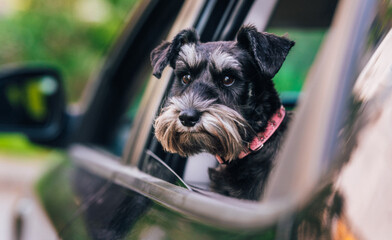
{"points": [[190, 124], [189, 117]]}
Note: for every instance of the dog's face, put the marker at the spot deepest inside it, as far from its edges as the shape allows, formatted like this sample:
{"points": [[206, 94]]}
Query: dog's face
{"points": [[223, 91]]}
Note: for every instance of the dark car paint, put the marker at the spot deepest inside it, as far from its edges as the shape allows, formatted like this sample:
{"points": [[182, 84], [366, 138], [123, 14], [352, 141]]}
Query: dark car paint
{"points": [[101, 209]]}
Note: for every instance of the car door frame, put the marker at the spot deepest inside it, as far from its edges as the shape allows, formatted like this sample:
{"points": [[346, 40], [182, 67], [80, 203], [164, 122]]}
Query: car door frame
{"points": [[284, 195]]}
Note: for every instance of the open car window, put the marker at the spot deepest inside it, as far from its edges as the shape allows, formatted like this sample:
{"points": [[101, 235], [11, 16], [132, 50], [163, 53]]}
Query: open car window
{"points": [[221, 21]]}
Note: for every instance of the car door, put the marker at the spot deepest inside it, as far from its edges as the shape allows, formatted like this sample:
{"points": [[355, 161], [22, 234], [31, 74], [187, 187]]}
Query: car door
{"points": [[141, 195]]}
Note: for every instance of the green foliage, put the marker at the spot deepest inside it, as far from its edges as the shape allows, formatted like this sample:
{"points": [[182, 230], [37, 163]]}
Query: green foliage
{"points": [[54, 32], [17, 145]]}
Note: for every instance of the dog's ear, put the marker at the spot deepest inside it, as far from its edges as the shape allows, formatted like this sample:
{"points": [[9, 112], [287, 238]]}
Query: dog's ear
{"points": [[167, 52], [268, 50]]}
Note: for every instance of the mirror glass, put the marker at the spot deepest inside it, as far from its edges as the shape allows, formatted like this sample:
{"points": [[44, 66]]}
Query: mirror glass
{"points": [[30, 101]]}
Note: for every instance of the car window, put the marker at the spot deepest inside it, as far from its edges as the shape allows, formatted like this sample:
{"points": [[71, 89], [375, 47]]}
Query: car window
{"points": [[122, 130], [289, 80]]}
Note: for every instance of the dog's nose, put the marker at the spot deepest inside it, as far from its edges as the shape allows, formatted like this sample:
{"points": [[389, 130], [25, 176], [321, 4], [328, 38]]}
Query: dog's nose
{"points": [[189, 117]]}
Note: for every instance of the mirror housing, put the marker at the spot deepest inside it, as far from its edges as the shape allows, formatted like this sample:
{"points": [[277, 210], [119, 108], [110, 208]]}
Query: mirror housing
{"points": [[32, 102]]}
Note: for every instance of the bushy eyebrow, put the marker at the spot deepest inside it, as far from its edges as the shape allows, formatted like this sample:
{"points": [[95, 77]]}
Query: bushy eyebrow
{"points": [[189, 57], [222, 60]]}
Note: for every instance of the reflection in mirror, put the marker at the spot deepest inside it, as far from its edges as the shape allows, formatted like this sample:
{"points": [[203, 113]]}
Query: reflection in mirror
{"points": [[32, 102], [25, 101]]}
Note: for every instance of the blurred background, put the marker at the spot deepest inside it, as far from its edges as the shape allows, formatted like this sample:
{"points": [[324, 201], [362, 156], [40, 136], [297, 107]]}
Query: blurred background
{"points": [[71, 35]]}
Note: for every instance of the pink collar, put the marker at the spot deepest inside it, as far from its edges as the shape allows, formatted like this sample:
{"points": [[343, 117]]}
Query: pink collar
{"points": [[258, 141]]}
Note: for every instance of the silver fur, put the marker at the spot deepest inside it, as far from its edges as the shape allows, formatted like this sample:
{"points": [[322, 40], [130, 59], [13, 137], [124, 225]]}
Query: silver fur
{"points": [[223, 60], [189, 55], [219, 131]]}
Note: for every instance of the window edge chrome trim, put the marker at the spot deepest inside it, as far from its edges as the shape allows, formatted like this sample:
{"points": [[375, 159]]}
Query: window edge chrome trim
{"points": [[231, 213]]}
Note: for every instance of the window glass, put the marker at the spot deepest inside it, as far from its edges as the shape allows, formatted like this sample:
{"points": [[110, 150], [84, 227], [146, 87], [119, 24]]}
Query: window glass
{"points": [[122, 130]]}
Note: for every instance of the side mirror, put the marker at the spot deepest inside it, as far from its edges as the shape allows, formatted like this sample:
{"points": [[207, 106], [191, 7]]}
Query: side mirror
{"points": [[32, 102]]}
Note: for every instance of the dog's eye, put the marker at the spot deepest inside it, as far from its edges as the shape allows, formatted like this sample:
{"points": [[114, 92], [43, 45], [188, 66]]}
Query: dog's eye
{"points": [[186, 79], [228, 81]]}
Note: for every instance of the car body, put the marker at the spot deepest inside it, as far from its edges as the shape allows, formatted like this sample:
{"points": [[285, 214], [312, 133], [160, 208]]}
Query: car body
{"points": [[120, 184]]}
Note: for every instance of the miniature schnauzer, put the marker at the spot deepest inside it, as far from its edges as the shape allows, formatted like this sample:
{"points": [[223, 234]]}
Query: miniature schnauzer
{"points": [[223, 102]]}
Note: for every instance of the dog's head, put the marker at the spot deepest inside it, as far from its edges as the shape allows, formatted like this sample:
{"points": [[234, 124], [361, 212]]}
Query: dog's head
{"points": [[223, 93]]}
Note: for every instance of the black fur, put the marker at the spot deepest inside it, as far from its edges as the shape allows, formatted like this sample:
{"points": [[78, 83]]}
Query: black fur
{"points": [[166, 53], [245, 178], [252, 95], [268, 50]]}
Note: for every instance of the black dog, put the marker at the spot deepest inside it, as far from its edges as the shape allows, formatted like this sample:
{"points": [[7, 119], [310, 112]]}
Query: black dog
{"points": [[224, 102]]}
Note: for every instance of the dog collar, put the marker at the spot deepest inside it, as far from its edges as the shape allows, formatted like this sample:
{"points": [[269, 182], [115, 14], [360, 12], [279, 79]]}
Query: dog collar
{"points": [[258, 142]]}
